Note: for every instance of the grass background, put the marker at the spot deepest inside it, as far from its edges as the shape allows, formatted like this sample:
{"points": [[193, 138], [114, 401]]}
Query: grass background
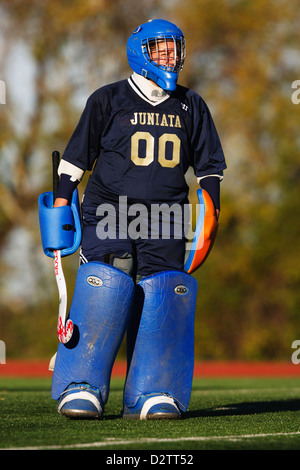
{"points": [[224, 414]]}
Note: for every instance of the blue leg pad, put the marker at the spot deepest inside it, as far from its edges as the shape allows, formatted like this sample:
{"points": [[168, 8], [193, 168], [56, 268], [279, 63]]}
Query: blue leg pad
{"points": [[100, 309], [162, 361]]}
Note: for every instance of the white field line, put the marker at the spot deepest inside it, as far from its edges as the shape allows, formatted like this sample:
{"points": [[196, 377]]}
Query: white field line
{"points": [[116, 442]]}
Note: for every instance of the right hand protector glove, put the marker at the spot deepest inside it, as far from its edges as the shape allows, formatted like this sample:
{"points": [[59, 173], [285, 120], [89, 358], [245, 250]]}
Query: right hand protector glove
{"points": [[60, 226]]}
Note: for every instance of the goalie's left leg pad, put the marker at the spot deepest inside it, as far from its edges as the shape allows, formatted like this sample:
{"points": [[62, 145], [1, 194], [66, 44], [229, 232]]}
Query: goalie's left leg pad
{"points": [[100, 309], [163, 358]]}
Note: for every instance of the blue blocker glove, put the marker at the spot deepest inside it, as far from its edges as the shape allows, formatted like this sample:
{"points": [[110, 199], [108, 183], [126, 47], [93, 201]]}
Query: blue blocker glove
{"points": [[60, 227]]}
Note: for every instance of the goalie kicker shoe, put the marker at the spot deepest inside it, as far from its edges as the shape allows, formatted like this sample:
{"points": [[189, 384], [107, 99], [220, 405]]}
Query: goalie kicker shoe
{"points": [[81, 401], [153, 406]]}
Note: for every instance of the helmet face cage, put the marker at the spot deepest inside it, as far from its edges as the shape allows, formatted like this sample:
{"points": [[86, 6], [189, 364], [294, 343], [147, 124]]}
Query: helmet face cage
{"points": [[170, 48]]}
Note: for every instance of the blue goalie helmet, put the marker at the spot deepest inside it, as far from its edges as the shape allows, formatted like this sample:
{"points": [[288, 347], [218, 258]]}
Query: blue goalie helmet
{"points": [[156, 50]]}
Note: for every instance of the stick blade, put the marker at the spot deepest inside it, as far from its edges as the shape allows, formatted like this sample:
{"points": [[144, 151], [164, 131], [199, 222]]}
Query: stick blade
{"points": [[64, 333]]}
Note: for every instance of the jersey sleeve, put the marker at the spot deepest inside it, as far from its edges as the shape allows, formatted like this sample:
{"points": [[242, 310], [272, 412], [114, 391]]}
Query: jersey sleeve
{"points": [[208, 156], [84, 146]]}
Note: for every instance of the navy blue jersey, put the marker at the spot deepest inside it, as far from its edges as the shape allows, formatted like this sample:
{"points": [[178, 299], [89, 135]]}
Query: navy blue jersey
{"points": [[143, 151]]}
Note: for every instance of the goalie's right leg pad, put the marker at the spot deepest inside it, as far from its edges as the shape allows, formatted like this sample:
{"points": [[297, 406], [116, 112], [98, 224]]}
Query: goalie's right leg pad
{"points": [[100, 309]]}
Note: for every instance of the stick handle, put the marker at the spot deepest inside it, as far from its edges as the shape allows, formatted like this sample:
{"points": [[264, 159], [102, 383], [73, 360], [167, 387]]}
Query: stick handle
{"points": [[55, 164], [64, 329]]}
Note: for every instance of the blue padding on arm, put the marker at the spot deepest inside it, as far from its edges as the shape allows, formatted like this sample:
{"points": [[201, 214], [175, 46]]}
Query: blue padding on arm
{"points": [[60, 226]]}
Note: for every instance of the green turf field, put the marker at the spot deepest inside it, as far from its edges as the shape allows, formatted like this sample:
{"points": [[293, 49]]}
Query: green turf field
{"points": [[224, 413]]}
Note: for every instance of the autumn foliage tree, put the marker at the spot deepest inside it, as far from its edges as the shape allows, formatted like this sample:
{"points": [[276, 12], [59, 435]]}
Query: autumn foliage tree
{"points": [[242, 57]]}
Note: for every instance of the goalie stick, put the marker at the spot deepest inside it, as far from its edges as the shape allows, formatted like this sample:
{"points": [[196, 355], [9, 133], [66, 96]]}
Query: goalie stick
{"points": [[64, 329]]}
